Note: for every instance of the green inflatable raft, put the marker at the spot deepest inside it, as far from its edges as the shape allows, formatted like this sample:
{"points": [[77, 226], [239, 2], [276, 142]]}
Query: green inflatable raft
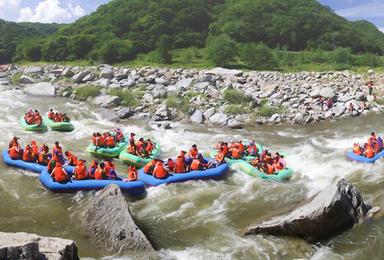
{"points": [[59, 126], [106, 152], [34, 127], [244, 166], [139, 161]]}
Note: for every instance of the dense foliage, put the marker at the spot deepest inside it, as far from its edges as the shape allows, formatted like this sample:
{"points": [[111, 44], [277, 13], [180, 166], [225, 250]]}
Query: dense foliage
{"points": [[13, 33], [246, 33]]}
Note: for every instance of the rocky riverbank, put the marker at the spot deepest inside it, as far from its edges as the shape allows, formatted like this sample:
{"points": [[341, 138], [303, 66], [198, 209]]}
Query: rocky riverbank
{"points": [[218, 96]]}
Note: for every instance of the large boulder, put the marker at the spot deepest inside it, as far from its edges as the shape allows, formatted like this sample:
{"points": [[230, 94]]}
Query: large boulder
{"points": [[331, 212], [24, 79], [78, 78], [197, 117], [219, 119], [327, 92], [107, 101], [31, 246], [225, 72], [109, 224], [41, 89]]}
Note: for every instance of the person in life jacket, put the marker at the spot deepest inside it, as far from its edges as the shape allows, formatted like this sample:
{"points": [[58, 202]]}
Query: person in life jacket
{"points": [[110, 141], [357, 149], [37, 118], [268, 169], [149, 167], [143, 152], [235, 153], [94, 139], [71, 158], [132, 139], [139, 145], [92, 169], [35, 150], [52, 163], [44, 156], [65, 118], [119, 135], [80, 171], [59, 174], [196, 165], [252, 149], [372, 139], [14, 152], [132, 173], [240, 146], [57, 148], [256, 161], [110, 170], [180, 165], [380, 143], [159, 172], [27, 154], [51, 114], [369, 153], [14, 141], [132, 150], [219, 159], [100, 173], [193, 152], [171, 165], [149, 147], [281, 160]]}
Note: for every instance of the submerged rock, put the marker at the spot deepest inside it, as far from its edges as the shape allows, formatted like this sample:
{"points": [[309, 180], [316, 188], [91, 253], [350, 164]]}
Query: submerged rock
{"points": [[329, 213], [109, 224], [31, 246]]}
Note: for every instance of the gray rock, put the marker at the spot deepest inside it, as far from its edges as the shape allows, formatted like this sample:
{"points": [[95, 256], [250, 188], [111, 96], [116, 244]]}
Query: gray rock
{"points": [[78, 77], [31, 246], [33, 70], [225, 72], [275, 119], [122, 74], [104, 83], [234, 124], [159, 92], [41, 89], [209, 112], [315, 93], [26, 80], [197, 117], [162, 113], [107, 101], [298, 119], [339, 109], [162, 81], [57, 72], [370, 98], [184, 84], [125, 112], [327, 92], [68, 73], [89, 77], [127, 83], [220, 119], [333, 211], [109, 224], [106, 72], [360, 96], [201, 86]]}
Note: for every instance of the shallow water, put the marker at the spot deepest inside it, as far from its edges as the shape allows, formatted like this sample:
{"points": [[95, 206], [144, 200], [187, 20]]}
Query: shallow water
{"points": [[205, 219]]}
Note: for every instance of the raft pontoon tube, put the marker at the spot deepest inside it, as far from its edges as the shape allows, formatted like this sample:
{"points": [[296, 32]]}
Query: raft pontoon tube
{"points": [[59, 126]]}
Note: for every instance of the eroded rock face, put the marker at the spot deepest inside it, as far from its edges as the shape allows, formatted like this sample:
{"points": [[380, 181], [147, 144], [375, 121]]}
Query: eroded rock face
{"points": [[329, 213], [31, 246], [109, 224]]}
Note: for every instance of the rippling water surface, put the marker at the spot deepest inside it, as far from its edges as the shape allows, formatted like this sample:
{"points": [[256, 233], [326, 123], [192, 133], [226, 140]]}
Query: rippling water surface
{"points": [[204, 219]]}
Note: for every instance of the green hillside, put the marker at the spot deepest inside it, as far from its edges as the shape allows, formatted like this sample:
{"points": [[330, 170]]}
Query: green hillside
{"points": [[12, 34], [226, 32]]}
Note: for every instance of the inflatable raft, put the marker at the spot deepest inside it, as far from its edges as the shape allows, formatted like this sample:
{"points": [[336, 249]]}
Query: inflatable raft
{"points": [[28, 166], [34, 127], [134, 188], [107, 152], [358, 158], [59, 126], [139, 161], [213, 173], [248, 169]]}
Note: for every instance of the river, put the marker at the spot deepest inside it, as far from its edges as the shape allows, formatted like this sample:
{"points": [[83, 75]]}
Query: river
{"points": [[204, 219]]}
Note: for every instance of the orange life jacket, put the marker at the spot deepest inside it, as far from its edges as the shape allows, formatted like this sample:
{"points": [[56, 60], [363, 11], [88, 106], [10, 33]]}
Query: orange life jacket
{"points": [[160, 172], [110, 141], [27, 155], [131, 149], [357, 150], [180, 164], [225, 150], [42, 158], [171, 166], [193, 153], [196, 165], [252, 149], [220, 156], [369, 153], [59, 173], [236, 153], [14, 152], [270, 169], [100, 174], [80, 171], [149, 167], [149, 148], [59, 149], [240, 146], [50, 115]]}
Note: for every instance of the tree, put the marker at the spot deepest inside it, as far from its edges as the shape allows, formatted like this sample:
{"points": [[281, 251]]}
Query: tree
{"points": [[221, 50], [258, 56], [343, 56], [116, 50], [164, 46]]}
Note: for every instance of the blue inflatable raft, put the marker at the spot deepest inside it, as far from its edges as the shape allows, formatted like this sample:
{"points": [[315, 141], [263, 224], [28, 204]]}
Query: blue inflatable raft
{"points": [[28, 166], [358, 158], [213, 173], [134, 188]]}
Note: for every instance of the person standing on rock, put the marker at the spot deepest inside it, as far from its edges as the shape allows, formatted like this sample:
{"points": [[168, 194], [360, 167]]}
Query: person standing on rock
{"points": [[370, 87]]}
